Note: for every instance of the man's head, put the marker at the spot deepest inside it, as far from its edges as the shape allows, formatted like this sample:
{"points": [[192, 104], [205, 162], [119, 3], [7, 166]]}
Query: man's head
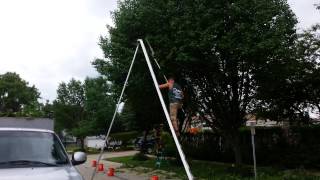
{"points": [[171, 78]]}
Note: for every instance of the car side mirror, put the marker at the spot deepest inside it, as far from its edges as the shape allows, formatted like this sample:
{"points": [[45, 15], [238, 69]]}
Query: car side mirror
{"points": [[78, 158]]}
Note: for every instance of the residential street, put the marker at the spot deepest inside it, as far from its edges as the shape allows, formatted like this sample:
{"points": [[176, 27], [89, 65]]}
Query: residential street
{"points": [[160, 90]]}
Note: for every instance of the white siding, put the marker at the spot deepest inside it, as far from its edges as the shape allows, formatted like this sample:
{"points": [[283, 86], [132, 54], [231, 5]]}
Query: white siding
{"points": [[95, 143]]}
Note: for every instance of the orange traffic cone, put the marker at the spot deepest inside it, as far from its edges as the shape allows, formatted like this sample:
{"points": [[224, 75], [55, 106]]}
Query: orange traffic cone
{"points": [[100, 167], [94, 163], [111, 172], [154, 178]]}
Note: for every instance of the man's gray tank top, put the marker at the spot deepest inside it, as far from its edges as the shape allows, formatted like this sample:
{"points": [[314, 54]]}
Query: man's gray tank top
{"points": [[175, 94]]}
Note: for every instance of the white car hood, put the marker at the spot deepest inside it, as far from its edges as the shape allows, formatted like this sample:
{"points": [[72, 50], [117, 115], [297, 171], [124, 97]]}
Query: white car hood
{"points": [[41, 173]]}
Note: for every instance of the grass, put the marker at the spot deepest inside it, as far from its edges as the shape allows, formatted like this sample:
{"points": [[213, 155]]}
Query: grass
{"points": [[73, 148], [212, 170]]}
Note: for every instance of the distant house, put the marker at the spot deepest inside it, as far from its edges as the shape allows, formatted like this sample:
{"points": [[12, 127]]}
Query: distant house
{"points": [[94, 141], [198, 122], [97, 142], [315, 120], [265, 122], [67, 139]]}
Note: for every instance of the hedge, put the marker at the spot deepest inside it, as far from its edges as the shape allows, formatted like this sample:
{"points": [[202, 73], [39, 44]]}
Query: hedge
{"points": [[125, 137], [298, 147]]}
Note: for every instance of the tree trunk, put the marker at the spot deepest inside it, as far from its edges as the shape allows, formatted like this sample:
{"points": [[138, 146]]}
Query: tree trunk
{"points": [[144, 147], [82, 143], [237, 153], [234, 142]]}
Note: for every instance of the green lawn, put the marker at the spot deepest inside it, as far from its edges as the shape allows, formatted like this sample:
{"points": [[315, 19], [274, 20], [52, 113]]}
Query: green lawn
{"points": [[73, 148], [216, 171]]}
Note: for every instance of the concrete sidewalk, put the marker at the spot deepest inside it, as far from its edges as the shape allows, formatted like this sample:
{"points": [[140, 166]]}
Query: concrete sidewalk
{"points": [[121, 174]]}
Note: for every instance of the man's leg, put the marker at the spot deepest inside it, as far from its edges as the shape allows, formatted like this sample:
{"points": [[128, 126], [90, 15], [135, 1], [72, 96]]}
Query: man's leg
{"points": [[173, 116]]}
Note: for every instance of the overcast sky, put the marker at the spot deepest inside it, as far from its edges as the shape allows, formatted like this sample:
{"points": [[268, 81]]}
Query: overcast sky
{"points": [[50, 41]]}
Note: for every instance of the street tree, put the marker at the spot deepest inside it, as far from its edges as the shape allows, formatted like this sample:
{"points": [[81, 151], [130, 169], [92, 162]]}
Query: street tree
{"points": [[47, 109], [100, 104], [17, 97], [69, 111], [229, 53], [309, 56]]}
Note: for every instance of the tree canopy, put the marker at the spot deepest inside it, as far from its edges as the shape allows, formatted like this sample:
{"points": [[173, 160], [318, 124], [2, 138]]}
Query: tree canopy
{"points": [[69, 105], [100, 104], [85, 108], [17, 97], [235, 58]]}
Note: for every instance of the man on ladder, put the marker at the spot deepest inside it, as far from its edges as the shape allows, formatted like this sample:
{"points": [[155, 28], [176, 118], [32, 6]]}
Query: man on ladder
{"points": [[175, 95]]}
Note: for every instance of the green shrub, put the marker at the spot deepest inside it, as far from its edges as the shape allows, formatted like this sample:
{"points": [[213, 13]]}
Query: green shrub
{"points": [[170, 148], [298, 147], [78, 149], [125, 137], [92, 151]]}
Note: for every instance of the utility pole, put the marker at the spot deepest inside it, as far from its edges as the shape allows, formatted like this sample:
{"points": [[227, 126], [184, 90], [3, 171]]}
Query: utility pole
{"points": [[252, 125]]}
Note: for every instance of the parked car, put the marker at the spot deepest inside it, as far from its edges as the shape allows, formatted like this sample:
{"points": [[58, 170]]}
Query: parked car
{"points": [[114, 144], [147, 146], [36, 154]]}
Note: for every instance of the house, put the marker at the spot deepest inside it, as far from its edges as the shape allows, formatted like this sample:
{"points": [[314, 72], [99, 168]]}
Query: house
{"points": [[95, 142], [68, 139], [264, 122]]}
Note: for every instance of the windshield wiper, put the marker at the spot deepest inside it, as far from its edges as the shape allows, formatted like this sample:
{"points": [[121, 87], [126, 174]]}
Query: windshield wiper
{"points": [[27, 162]]}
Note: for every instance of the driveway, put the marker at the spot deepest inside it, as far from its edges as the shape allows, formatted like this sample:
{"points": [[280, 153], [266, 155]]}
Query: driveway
{"points": [[123, 174]]}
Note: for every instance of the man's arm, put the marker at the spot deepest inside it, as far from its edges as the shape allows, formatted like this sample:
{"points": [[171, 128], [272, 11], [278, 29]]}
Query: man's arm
{"points": [[162, 86]]}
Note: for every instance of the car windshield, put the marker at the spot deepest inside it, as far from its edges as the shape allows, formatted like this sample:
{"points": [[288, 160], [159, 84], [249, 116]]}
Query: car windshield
{"points": [[27, 148]]}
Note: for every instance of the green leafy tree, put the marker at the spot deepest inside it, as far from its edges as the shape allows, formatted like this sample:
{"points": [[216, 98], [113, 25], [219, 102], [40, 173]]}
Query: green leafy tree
{"points": [[34, 109], [69, 111], [85, 109], [140, 95], [17, 97], [127, 118], [309, 54], [298, 91], [229, 54], [100, 104], [47, 109], [296, 94]]}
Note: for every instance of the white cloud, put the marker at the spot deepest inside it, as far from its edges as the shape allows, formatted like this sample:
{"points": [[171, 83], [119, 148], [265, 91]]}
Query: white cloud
{"points": [[49, 41], [306, 12]]}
